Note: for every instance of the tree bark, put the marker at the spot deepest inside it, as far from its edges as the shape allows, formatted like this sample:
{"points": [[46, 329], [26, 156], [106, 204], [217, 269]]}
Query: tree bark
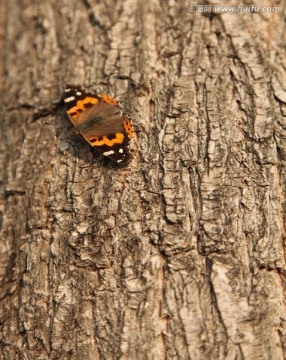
{"points": [[180, 255]]}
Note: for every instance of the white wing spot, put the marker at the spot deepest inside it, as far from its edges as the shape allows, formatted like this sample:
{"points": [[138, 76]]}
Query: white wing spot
{"points": [[107, 153], [121, 151], [67, 90], [119, 161], [78, 93], [69, 99]]}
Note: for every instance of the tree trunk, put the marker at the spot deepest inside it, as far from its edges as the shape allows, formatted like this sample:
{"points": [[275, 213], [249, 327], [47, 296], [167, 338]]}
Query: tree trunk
{"points": [[179, 255]]}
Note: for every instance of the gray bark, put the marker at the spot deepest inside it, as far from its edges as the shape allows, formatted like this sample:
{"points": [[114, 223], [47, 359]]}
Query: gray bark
{"points": [[180, 255]]}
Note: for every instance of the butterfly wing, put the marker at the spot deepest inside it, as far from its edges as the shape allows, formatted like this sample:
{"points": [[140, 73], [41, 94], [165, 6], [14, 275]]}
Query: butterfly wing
{"points": [[100, 119]]}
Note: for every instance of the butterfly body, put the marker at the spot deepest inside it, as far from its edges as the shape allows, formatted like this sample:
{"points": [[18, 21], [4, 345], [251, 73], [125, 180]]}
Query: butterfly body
{"points": [[100, 120]]}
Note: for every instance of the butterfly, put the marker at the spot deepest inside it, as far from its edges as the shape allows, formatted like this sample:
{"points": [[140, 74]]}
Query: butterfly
{"points": [[99, 119]]}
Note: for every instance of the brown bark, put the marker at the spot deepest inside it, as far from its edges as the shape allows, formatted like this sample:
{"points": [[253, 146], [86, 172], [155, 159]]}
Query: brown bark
{"points": [[181, 254]]}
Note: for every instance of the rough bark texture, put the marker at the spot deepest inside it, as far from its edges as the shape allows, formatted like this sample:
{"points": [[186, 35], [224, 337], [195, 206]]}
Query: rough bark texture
{"points": [[181, 254]]}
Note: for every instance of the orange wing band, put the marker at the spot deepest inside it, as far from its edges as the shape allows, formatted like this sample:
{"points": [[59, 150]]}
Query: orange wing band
{"points": [[95, 141], [80, 105], [109, 99], [128, 127]]}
